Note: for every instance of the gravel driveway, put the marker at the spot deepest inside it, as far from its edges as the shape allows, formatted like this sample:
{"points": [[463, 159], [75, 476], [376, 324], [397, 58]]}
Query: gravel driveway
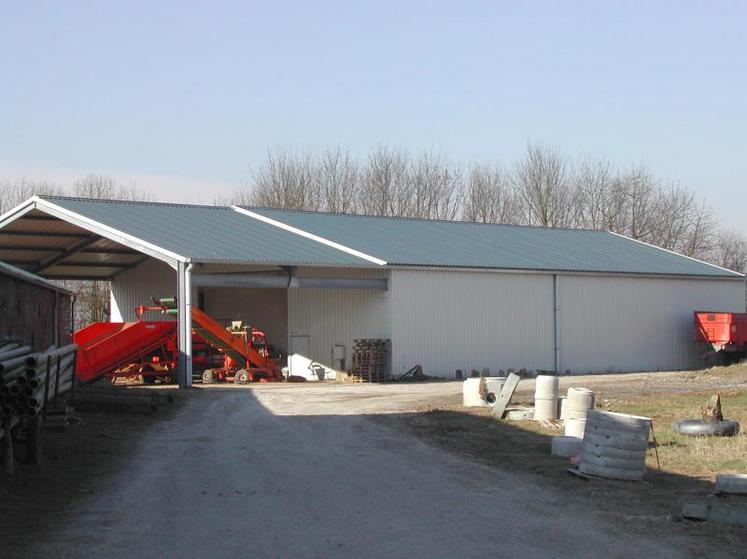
{"points": [[295, 471]]}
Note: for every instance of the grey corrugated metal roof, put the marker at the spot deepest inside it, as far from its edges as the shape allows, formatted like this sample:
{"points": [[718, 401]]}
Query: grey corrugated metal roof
{"points": [[222, 234], [8, 270], [416, 242], [207, 233]]}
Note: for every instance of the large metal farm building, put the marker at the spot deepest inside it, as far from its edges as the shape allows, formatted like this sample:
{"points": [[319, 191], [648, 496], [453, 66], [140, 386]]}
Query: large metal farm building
{"points": [[448, 295]]}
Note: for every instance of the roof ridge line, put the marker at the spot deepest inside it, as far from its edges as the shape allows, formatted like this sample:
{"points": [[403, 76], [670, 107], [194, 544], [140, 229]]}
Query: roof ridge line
{"points": [[421, 219], [50, 198], [310, 236]]}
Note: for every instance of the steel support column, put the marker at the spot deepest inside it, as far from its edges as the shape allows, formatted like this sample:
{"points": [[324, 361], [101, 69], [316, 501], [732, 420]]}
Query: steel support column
{"points": [[556, 321], [184, 316]]}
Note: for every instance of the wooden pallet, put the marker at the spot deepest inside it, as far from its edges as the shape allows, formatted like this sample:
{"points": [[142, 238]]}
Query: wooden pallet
{"points": [[371, 360]]}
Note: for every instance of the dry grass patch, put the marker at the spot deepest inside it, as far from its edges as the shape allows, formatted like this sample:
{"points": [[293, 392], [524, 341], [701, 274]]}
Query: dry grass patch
{"points": [[701, 457]]}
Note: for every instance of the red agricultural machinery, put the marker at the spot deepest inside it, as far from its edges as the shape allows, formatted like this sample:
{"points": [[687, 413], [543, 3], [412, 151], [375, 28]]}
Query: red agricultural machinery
{"points": [[149, 349], [724, 333]]}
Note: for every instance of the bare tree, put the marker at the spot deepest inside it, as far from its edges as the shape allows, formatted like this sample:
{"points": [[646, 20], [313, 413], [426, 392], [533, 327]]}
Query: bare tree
{"points": [[286, 180], [542, 186], [489, 197], [435, 188], [598, 206], [102, 187], [339, 181], [385, 188], [15, 191], [730, 251]]}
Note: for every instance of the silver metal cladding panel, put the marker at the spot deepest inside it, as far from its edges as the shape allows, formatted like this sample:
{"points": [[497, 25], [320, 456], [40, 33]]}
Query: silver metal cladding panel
{"points": [[152, 278], [613, 323], [333, 317], [448, 320]]}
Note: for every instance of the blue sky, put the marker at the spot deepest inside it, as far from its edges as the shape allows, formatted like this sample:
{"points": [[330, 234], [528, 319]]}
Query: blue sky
{"points": [[186, 97]]}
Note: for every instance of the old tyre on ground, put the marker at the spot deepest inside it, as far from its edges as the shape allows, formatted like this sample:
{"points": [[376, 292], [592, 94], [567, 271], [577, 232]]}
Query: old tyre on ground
{"points": [[241, 377], [207, 377], [702, 428]]}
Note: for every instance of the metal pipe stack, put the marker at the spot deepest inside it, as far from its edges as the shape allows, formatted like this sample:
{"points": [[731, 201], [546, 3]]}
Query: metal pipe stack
{"points": [[29, 380]]}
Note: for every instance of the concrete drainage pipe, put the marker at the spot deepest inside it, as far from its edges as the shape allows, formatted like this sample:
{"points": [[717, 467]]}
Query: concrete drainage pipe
{"points": [[575, 427], [578, 402], [545, 409], [614, 445], [546, 387], [546, 398], [567, 447]]}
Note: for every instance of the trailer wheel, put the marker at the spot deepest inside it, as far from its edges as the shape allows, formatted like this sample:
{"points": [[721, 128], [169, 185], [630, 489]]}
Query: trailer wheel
{"points": [[241, 377], [207, 377]]}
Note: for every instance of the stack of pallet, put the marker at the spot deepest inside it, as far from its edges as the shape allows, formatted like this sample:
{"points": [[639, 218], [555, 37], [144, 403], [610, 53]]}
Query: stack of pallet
{"points": [[371, 360]]}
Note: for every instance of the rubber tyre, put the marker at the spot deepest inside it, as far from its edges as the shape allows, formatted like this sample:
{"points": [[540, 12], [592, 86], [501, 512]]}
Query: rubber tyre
{"points": [[208, 377], [241, 377], [701, 428]]}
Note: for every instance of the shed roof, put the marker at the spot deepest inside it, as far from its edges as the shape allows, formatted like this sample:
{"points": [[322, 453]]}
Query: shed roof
{"points": [[75, 237], [418, 242]]}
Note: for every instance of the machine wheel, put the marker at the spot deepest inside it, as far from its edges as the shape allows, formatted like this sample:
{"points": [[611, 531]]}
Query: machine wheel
{"points": [[241, 377], [147, 375], [207, 377]]}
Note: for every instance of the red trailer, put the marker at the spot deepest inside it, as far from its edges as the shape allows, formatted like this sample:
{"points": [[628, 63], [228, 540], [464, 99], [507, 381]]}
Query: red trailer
{"points": [[724, 333]]}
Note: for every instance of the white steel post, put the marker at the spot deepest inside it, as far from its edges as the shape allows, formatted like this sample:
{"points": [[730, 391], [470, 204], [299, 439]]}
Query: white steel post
{"points": [[184, 326], [556, 321]]}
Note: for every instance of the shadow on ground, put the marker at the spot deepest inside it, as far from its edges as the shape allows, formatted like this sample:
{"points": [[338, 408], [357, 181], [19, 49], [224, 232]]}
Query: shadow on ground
{"points": [[222, 449], [652, 506]]}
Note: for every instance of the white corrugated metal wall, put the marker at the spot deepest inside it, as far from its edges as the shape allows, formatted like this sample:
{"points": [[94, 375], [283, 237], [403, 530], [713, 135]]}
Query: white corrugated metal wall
{"points": [[332, 317], [625, 323], [448, 320], [152, 278]]}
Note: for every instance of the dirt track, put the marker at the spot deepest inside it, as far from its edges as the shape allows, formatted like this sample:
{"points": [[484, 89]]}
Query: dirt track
{"points": [[295, 471]]}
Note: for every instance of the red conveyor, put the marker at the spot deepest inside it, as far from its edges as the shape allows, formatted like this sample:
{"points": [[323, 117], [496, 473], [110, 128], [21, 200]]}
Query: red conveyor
{"points": [[106, 346]]}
